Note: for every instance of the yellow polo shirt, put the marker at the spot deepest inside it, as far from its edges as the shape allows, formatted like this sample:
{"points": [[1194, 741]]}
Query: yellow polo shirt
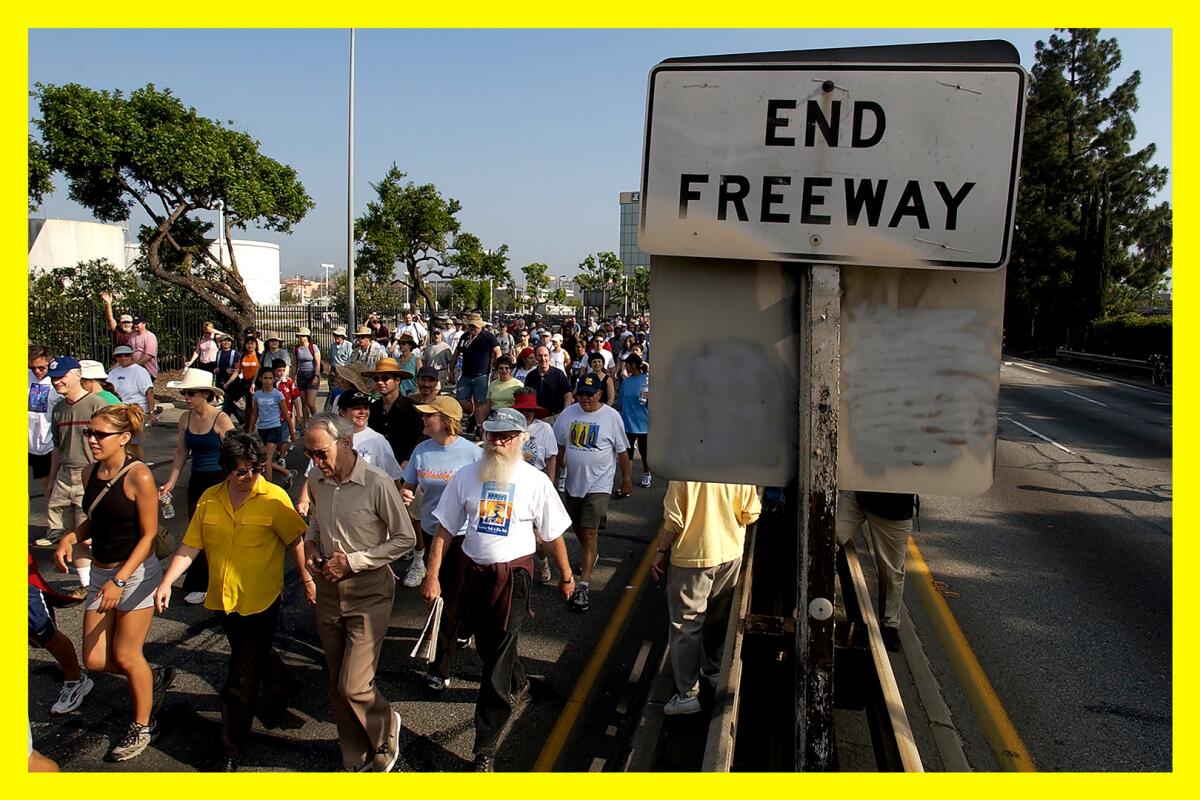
{"points": [[710, 521], [244, 547]]}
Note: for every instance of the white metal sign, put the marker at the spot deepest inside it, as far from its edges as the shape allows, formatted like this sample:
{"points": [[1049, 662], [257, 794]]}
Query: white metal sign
{"points": [[882, 164]]}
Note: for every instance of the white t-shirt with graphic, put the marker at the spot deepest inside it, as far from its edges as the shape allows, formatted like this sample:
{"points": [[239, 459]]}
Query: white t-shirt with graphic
{"points": [[540, 446], [131, 384], [593, 442], [502, 520], [42, 399]]}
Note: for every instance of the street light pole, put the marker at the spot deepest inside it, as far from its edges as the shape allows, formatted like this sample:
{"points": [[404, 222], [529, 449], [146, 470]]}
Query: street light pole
{"points": [[327, 267], [350, 194]]}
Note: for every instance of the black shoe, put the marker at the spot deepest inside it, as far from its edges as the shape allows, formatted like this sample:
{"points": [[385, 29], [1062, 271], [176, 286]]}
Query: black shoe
{"points": [[484, 763], [227, 763], [163, 678], [891, 639]]}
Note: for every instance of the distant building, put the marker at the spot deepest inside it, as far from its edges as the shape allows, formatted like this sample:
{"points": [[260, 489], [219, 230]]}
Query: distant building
{"points": [[58, 243], [306, 289], [631, 256]]}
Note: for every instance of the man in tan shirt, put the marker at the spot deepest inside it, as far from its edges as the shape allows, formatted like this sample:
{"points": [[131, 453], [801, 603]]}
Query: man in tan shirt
{"points": [[359, 526], [704, 530]]}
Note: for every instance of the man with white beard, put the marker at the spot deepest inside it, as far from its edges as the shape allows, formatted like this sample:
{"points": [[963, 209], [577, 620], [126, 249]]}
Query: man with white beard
{"points": [[507, 506]]}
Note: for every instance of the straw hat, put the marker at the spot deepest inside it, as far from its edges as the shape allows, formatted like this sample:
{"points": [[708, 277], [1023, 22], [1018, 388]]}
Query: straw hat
{"points": [[304, 332], [364, 330], [197, 380], [340, 330], [389, 366]]}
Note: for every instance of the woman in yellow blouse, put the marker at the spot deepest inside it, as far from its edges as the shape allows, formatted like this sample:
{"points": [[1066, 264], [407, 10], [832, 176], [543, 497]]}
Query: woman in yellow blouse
{"points": [[243, 525]]}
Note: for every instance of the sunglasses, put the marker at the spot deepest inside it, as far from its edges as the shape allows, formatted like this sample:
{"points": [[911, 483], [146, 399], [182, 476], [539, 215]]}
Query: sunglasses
{"points": [[194, 393], [99, 436], [317, 455], [386, 378], [502, 436], [245, 471]]}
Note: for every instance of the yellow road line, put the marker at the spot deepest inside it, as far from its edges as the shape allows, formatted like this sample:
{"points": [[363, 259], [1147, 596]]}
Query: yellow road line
{"points": [[583, 687], [1011, 753]]}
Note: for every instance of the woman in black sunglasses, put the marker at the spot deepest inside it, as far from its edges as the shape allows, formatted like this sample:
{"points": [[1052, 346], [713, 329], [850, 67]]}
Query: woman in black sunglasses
{"points": [[121, 501]]}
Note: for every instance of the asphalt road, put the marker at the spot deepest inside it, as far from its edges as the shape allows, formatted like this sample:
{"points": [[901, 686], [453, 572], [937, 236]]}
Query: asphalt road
{"points": [[1061, 575], [438, 730]]}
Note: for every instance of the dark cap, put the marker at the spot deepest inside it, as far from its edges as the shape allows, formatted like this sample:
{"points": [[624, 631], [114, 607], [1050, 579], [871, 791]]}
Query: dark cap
{"points": [[62, 365], [353, 400], [140, 318], [429, 372], [589, 385]]}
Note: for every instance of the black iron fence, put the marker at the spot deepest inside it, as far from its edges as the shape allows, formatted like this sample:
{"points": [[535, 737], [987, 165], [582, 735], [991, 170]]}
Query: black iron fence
{"points": [[81, 330]]}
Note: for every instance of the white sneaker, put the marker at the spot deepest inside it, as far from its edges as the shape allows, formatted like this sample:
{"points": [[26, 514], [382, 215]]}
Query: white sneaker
{"points": [[645, 480], [72, 695], [194, 598], [416, 573], [542, 570], [679, 705]]}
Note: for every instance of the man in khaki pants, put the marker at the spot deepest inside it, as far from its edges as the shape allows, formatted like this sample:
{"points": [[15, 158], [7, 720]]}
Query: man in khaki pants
{"points": [[889, 519], [704, 530], [359, 526]]}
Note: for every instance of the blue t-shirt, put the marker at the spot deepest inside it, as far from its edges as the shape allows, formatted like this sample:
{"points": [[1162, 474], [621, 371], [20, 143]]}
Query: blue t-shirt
{"points": [[431, 467], [633, 413], [268, 408]]}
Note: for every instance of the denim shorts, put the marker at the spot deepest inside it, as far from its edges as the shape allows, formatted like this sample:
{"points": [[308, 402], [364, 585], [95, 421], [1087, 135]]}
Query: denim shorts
{"points": [[306, 381], [271, 435], [472, 388]]}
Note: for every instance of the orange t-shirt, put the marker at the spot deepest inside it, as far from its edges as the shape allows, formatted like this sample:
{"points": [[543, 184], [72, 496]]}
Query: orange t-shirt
{"points": [[249, 366]]}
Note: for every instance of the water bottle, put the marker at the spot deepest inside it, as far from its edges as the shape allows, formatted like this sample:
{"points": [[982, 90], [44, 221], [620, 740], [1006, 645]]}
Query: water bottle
{"points": [[168, 510], [645, 395]]}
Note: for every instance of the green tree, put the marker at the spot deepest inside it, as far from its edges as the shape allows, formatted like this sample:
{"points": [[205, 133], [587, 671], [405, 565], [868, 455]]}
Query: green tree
{"points": [[639, 288], [40, 183], [369, 295], [1085, 218], [151, 152], [289, 296], [536, 282], [602, 273], [416, 229]]}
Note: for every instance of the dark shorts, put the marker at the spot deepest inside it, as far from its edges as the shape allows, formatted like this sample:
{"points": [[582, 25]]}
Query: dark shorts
{"points": [[40, 465], [41, 617], [637, 441], [210, 366], [271, 435], [472, 388], [587, 511], [306, 381]]}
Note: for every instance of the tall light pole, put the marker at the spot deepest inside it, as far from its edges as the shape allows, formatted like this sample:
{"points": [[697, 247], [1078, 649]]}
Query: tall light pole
{"points": [[327, 268], [350, 192]]}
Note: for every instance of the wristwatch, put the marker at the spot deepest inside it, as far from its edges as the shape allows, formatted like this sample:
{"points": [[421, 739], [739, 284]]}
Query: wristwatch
{"points": [[120, 583]]}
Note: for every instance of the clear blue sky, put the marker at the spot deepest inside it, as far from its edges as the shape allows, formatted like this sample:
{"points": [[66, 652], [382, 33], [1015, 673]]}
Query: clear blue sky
{"points": [[535, 132]]}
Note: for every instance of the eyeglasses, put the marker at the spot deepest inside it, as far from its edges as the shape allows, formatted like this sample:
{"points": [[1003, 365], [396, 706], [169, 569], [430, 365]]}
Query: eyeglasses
{"points": [[99, 436], [317, 455], [245, 471], [502, 436]]}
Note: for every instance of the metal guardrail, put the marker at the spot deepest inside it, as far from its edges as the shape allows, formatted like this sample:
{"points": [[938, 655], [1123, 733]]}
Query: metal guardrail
{"points": [[1157, 365]]}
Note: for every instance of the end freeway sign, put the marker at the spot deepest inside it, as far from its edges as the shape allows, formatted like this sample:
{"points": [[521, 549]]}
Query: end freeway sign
{"points": [[902, 165]]}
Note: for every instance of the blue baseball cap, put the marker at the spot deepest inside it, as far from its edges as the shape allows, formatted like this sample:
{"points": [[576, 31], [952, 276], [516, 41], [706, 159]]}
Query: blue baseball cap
{"points": [[588, 385], [62, 365]]}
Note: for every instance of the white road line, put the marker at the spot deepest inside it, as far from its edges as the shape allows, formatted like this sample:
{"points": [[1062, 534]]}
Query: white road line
{"points": [[1034, 369], [1040, 436], [1102, 379], [1088, 399]]}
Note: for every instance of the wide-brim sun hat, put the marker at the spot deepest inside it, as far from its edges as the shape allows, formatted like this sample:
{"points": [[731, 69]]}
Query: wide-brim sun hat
{"points": [[92, 370], [363, 330], [528, 402], [304, 332], [197, 380], [442, 404], [356, 375], [340, 330], [389, 366]]}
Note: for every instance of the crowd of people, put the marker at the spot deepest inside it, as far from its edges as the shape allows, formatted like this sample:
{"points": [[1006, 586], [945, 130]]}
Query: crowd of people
{"points": [[464, 446]]}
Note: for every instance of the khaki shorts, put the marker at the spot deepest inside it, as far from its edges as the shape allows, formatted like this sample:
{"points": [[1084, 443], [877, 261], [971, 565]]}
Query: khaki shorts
{"points": [[64, 510], [587, 511]]}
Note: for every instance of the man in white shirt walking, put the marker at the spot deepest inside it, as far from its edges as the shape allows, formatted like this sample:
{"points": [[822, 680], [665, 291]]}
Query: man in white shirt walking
{"points": [[591, 439], [133, 384]]}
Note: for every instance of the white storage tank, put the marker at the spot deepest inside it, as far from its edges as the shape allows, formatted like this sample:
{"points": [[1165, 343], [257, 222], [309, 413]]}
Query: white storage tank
{"points": [[56, 243], [258, 264]]}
